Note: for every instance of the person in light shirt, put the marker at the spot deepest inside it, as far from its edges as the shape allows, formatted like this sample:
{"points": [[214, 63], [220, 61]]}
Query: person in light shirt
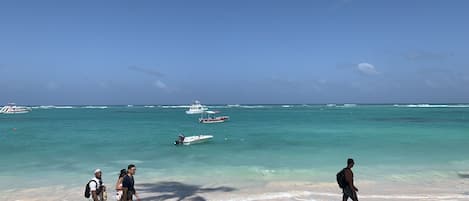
{"points": [[97, 187]]}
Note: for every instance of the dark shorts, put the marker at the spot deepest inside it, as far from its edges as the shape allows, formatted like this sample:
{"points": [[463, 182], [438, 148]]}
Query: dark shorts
{"points": [[349, 192], [130, 195]]}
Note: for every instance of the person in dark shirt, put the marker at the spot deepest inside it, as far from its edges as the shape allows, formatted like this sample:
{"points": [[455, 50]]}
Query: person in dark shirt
{"points": [[350, 191], [128, 184]]}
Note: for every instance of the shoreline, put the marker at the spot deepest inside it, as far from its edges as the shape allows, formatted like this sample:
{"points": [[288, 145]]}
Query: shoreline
{"points": [[271, 154], [270, 191]]}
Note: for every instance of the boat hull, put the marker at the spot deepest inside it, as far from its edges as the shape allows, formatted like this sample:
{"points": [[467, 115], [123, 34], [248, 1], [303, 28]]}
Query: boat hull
{"points": [[9, 109], [16, 112], [214, 120], [211, 121], [196, 139], [195, 111]]}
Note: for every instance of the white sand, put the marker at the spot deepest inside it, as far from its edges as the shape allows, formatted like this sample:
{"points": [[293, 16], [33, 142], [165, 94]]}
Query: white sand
{"points": [[271, 191]]}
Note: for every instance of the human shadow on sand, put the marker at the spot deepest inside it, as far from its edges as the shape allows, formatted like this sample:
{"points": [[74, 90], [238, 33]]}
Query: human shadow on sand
{"points": [[177, 191]]}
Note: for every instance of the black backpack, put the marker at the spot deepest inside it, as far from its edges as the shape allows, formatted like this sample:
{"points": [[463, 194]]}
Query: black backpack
{"points": [[341, 178], [87, 188]]}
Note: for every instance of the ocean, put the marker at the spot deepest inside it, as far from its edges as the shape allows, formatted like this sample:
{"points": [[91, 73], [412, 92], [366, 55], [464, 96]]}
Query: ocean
{"points": [[392, 145]]}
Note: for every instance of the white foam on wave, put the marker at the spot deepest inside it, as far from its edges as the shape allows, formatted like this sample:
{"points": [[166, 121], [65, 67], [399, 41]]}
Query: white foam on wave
{"points": [[432, 106], [64, 107], [94, 107], [46, 107], [149, 106], [342, 106], [175, 106], [262, 171], [217, 106], [252, 106], [128, 161], [52, 107]]}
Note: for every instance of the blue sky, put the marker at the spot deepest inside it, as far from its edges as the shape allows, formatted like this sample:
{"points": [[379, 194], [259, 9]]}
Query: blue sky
{"points": [[173, 52]]}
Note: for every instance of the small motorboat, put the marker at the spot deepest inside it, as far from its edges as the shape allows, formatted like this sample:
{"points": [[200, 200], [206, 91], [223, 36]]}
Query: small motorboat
{"points": [[11, 108], [209, 118], [183, 140], [196, 108]]}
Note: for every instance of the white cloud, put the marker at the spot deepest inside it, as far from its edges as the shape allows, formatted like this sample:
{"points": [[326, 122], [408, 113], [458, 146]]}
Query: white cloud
{"points": [[367, 69], [159, 84]]}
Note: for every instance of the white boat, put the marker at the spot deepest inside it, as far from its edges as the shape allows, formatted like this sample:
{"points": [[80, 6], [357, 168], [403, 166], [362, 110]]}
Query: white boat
{"points": [[208, 117], [11, 108], [183, 140], [196, 108]]}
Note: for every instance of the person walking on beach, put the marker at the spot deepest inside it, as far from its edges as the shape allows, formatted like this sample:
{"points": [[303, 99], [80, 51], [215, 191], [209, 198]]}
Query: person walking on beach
{"points": [[96, 187], [120, 179], [128, 184], [345, 179]]}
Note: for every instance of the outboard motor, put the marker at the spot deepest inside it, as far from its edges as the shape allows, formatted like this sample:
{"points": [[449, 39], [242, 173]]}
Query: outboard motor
{"points": [[180, 140]]}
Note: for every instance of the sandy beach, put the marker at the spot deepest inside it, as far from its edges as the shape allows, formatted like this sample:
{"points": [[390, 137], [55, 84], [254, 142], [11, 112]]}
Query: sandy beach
{"points": [[270, 191]]}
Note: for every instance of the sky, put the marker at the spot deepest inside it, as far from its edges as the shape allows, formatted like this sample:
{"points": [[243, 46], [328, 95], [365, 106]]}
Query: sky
{"points": [[233, 52]]}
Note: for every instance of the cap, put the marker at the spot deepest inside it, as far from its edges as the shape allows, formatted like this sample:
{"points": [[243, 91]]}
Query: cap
{"points": [[97, 170]]}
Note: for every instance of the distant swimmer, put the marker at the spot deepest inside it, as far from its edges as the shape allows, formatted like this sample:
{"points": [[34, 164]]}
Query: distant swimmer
{"points": [[345, 181]]}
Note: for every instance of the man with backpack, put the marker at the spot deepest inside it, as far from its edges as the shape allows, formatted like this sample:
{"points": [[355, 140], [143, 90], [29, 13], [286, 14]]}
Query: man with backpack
{"points": [[95, 190], [345, 181]]}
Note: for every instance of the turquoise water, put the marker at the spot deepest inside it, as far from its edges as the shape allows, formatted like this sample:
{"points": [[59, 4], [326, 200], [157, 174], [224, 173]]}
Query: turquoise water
{"points": [[301, 142]]}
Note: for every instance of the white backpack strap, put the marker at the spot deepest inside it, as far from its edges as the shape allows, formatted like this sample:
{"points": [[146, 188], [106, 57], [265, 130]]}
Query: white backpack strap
{"points": [[97, 184]]}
